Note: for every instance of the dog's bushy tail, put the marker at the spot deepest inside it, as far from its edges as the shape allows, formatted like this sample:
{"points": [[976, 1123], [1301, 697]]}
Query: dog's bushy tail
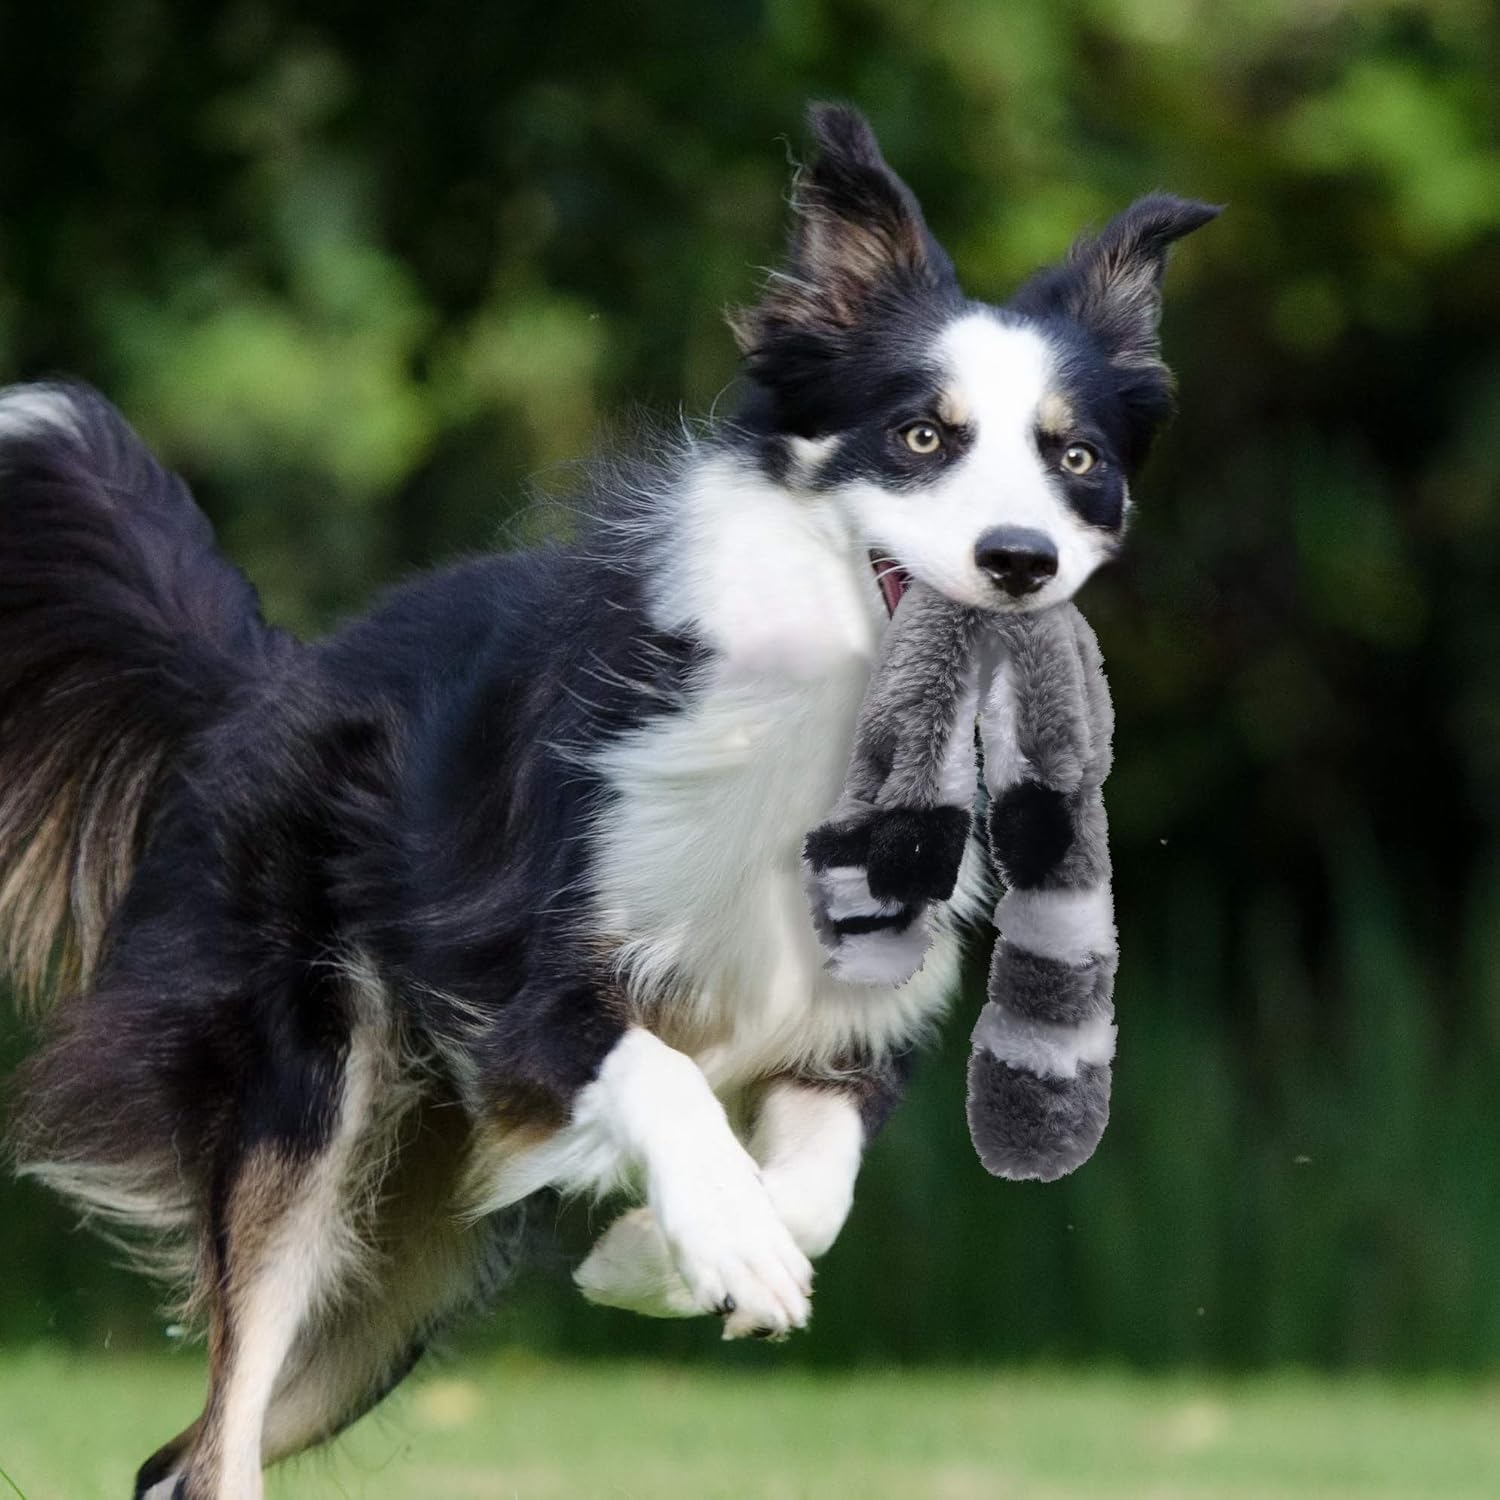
{"points": [[122, 632]]}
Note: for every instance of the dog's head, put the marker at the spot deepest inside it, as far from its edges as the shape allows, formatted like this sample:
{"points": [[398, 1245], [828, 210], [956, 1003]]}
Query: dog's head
{"points": [[984, 450]]}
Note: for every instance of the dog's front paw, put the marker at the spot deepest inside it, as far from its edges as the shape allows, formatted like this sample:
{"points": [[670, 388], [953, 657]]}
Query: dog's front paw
{"points": [[631, 1267], [733, 1253]]}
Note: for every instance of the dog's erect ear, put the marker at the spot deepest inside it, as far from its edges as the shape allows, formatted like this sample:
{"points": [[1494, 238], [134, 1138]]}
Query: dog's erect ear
{"points": [[856, 229], [1111, 281]]}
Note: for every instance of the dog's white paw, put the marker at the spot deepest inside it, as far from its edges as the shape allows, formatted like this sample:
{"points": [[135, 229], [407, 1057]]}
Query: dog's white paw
{"points": [[631, 1267], [733, 1252]]}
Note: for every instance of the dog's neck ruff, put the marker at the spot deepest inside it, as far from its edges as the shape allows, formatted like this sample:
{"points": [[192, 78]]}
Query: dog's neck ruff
{"points": [[696, 880]]}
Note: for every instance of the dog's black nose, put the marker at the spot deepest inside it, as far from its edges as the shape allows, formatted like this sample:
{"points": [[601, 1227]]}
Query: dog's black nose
{"points": [[1018, 560]]}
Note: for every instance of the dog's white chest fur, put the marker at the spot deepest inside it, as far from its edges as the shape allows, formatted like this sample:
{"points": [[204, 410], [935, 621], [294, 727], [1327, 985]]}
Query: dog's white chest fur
{"points": [[698, 859]]}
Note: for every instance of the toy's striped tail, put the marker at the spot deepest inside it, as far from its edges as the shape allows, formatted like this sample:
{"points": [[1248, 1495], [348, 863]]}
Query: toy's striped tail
{"points": [[1039, 1075]]}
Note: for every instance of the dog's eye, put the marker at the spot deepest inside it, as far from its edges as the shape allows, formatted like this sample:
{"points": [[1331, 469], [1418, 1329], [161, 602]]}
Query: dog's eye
{"points": [[922, 438], [1078, 458]]}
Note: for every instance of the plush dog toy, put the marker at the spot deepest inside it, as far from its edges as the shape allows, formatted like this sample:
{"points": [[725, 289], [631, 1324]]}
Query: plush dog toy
{"points": [[890, 853]]}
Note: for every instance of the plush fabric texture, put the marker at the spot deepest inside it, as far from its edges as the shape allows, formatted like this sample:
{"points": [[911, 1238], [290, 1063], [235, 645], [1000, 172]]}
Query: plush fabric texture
{"points": [[880, 871], [914, 852]]}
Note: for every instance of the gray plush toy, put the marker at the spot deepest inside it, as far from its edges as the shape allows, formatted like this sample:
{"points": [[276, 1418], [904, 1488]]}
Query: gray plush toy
{"points": [[878, 871]]}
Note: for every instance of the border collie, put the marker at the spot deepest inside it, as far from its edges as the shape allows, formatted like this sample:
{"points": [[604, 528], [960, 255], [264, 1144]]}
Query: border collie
{"points": [[364, 941]]}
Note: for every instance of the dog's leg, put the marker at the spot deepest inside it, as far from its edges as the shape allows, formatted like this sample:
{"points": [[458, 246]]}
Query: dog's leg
{"points": [[351, 1359], [426, 1267], [630, 1266], [347, 1362], [276, 1247], [808, 1139], [280, 1250], [650, 1111], [280, 1244], [160, 1477]]}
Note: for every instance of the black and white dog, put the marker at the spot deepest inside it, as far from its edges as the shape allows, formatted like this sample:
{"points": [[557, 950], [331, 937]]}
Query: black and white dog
{"points": [[497, 889]]}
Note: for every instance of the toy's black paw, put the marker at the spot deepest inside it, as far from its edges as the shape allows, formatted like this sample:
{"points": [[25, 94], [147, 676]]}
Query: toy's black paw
{"points": [[1031, 832], [913, 854], [832, 846], [871, 882]]}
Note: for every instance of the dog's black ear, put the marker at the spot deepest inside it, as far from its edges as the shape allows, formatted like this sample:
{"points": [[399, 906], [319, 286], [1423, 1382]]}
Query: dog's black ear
{"points": [[1111, 281], [856, 230]]}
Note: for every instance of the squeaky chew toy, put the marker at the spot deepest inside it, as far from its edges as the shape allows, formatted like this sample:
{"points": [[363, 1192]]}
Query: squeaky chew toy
{"points": [[880, 872]]}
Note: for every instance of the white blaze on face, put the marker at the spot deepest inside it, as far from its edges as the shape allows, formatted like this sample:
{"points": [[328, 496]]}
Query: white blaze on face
{"points": [[1000, 386]]}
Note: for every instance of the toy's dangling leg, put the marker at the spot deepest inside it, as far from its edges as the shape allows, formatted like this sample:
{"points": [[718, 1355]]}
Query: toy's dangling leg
{"points": [[1039, 1075], [879, 869]]}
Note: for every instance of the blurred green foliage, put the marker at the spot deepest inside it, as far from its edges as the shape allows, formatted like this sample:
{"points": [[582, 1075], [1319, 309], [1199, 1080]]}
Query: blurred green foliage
{"points": [[371, 275]]}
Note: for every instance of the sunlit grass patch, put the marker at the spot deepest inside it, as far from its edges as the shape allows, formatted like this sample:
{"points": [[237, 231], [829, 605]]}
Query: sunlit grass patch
{"points": [[73, 1428]]}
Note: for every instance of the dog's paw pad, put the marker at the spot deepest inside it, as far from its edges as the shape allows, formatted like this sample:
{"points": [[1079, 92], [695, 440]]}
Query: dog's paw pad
{"points": [[735, 1255]]}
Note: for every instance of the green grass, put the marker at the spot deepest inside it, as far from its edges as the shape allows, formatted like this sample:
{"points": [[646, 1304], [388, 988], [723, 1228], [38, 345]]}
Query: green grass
{"points": [[73, 1428]]}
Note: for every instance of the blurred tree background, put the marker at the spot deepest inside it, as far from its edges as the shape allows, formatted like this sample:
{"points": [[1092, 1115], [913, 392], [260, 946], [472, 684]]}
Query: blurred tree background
{"points": [[370, 275]]}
